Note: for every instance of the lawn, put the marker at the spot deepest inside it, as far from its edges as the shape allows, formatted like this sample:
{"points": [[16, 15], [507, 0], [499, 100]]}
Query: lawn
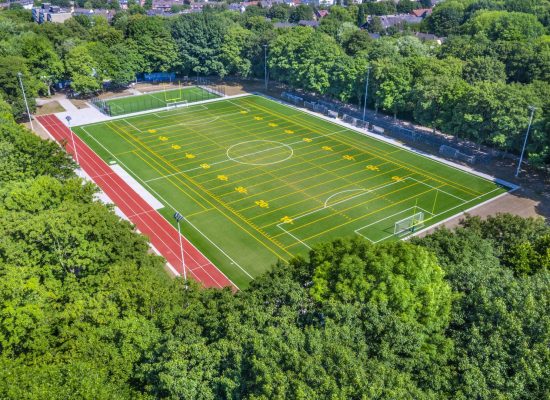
{"points": [[258, 180], [159, 99]]}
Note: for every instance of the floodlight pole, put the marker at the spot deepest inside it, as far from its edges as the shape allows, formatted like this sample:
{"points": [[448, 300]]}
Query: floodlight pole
{"points": [[265, 66], [19, 75], [532, 108], [366, 91], [68, 118], [178, 218]]}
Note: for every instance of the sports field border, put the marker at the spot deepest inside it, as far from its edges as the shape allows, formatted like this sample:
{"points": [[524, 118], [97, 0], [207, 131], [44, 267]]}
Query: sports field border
{"points": [[162, 235]]}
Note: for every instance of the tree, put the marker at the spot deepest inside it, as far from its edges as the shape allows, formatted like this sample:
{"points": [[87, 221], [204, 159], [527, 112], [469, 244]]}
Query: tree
{"points": [[406, 6], [233, 51], [446, 18], [484, 69], [361, 17], [279, 12], [301, 12], [43, 61], [199, 38], [10, 89], [391, 83], [503, 25], [83, 70]]}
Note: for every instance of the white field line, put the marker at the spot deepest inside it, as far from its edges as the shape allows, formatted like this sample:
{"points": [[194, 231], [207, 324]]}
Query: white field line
{"points": [[388, 217], [173, 208], [366, 191], [179, 110], [380, 187], [239, 106], [446, 219], [393, 142], [463, 212], [219, 248], [295, 238], [227, 160], [132, 125], [441, 190]]}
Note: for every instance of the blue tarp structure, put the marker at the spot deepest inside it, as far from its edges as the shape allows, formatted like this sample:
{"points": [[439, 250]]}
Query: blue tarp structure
{"points": [[157, 77]]}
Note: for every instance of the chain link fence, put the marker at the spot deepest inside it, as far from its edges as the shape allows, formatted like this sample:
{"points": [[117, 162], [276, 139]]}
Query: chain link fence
{"points": [[160, 99], [447, 146]]}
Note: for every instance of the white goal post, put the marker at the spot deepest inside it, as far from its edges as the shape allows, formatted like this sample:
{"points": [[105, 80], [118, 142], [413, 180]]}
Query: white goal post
{"points": [[177, 104], [409, 224]]}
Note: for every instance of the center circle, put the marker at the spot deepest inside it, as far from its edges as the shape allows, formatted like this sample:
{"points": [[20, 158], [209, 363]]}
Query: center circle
{"points": [[259, 152]]}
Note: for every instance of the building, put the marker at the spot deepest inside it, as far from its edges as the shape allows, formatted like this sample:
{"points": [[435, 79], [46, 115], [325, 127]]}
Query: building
{"points": [[48, 13], [165, 5], [320, 14], [107, 14], [390, 21], [421, 12]]}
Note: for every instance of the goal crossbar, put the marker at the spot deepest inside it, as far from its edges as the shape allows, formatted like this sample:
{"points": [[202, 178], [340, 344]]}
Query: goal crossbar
{"points": [[409, 224]]}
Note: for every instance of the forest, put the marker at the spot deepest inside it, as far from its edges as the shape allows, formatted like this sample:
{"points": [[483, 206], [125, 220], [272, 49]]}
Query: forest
{"points": [[493, 63], [87, 311]]}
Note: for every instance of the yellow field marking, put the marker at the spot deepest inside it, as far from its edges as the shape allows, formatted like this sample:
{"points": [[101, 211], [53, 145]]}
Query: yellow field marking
{"points": [[307, 140], [287, 220], [405, 165], [176, 146], [321, 201], [241, 189], [205, 166], [396, 178], [372, 168], [319, 197], [189, 155], [327, 148], [348, 157], [219, 200], [303, 157], [305, 160], [243, 112], [262, 203], [186, 193], [224, 178], [152, 130], [362, 216], [200, 212], [258, 118], [289, 131], [273, 124], [163, 138]]}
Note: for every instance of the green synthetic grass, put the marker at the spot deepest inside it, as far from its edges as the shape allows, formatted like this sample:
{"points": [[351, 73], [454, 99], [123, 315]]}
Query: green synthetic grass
{"points": [[258, 180], [153, 100]]}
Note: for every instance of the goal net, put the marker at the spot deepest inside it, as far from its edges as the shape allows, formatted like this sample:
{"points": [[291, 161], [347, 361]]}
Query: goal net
{"points": [[409, 224], [176, 104]]}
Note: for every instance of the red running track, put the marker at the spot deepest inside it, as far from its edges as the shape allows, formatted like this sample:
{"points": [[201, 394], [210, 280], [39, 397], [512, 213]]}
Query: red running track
{"points": [[162, 235]]}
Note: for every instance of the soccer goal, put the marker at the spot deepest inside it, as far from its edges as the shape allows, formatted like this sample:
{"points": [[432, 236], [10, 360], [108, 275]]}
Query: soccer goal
{"points": [[409, 224], [177, 104]]}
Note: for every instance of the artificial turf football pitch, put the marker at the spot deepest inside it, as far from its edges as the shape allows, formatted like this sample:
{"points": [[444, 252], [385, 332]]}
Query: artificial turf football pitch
{"points": [[258, 180], [158, 99]]}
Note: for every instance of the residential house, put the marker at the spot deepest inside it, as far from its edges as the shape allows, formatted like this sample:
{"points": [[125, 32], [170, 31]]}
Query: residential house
{"points": [[88, 12], [319, 14], [312, 23], [48, 13], [421, 12], [165, 5], [390, 21]]}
